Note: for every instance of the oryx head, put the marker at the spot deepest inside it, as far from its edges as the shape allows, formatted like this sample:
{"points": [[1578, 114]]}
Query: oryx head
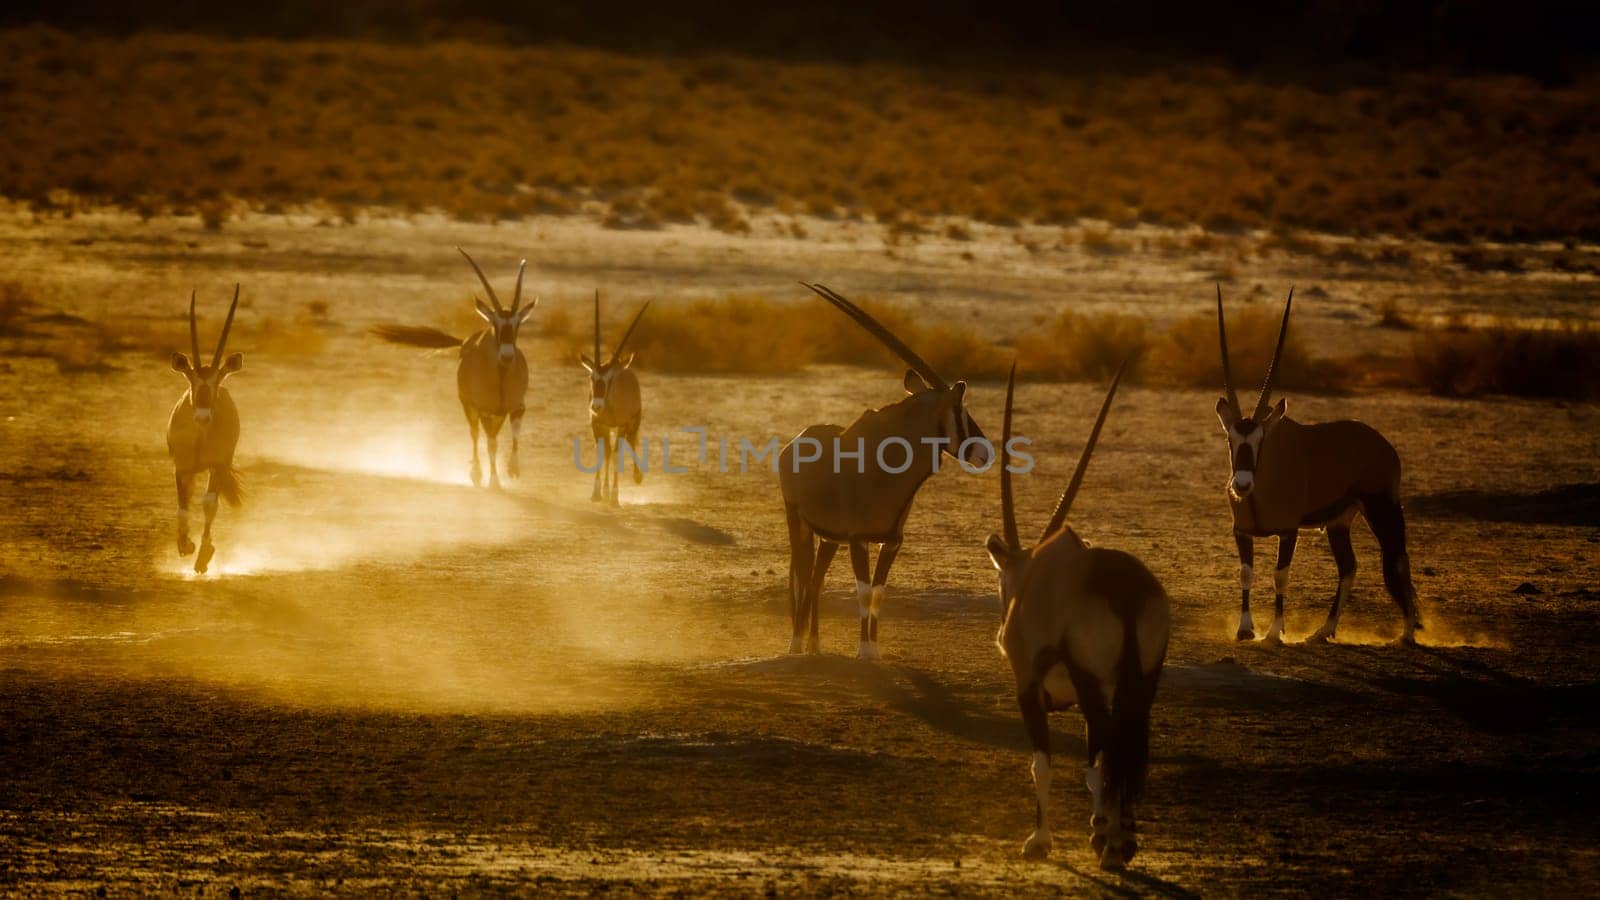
{"points": [[1006, 550], [206, 380], [505, 322], [964, 440], [601, 374], [1246, 433]]}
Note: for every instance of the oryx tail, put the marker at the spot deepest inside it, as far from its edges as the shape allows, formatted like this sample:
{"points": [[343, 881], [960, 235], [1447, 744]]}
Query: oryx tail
{"points": [[415, 336]]}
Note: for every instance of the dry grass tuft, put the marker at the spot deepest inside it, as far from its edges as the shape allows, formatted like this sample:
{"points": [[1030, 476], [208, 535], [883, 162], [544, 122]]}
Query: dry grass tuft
{"points": [[1078, 347], [1188, 355], [1561, 362]]}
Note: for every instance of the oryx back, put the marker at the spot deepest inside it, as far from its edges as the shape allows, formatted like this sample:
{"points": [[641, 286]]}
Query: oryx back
{"points": [[486, 384], [623, 407], [1310, 475]]}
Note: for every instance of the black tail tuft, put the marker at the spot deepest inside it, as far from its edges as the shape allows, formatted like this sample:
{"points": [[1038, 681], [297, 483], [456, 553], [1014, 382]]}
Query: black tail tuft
{"points": [[1127, 754], [1388, 524], [225, 483], [415, 336]]}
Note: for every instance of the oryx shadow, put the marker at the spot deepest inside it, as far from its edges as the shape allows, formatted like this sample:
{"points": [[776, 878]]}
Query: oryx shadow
{"points": [[1127, 883]]}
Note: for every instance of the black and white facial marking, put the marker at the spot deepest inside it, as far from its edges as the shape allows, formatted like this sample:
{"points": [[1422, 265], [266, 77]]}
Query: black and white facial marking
{"points": [[505, 325], [1245, 435], [600, 378], [964, 440], [204, 382]]}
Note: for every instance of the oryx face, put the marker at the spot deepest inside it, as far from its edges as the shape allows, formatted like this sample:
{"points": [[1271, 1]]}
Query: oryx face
{"points": [[600, 378], [505, 325], [965, 440], [1245, 437], [205, 382]]}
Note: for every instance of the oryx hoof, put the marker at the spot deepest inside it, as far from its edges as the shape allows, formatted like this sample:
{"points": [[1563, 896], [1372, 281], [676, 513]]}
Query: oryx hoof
{"points": [[1097, 843], [477, 475], [1245, 634], [1323, 635], [512, 469], [796, 645], [596, 497], [1274, 637], [185, 546], [203, 561], [1406, 639], [1119, 853], [1037, 847], [868, 651]]}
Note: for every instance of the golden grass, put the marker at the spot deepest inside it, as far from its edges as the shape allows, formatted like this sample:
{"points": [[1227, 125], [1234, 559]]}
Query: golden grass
{"points": [[204, 125], [1188, 354], [1561, 362], [1078, 347]]}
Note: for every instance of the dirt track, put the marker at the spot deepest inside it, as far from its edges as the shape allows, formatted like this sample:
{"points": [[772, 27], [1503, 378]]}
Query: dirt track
{"points": [[392, 680]]}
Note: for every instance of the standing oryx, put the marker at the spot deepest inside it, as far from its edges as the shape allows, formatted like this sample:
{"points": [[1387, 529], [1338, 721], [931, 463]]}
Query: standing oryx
{"points": [[891, 452], [492, 377], [614, 409], [1087, 626], [1288, 476], [203, 433]]}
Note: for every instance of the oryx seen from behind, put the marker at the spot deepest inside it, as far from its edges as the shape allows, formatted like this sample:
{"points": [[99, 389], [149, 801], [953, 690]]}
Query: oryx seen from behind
{"points": [[614, 409], [203, 432], [1287, 476], [1086, 626], [854, 485], [492, 376]]}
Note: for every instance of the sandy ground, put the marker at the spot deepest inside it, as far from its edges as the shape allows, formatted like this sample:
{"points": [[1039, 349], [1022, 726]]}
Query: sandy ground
{"points": [[393, 681]]}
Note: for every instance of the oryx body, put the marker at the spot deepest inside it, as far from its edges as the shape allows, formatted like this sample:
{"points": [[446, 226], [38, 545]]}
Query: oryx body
{"points": [[615, 409], [1088, 627], [1288, 476], [854, 485], [492, 375], [203, 432]]}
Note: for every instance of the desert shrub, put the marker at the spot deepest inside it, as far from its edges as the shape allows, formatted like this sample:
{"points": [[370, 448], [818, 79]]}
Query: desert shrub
{"points": [[1187, 354], [14, 304], [1390, 315], [1559, 362], [1078, 347]]}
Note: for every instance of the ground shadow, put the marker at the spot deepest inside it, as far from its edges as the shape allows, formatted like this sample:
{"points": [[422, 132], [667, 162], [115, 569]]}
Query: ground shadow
{"points": [[1567, 504]]}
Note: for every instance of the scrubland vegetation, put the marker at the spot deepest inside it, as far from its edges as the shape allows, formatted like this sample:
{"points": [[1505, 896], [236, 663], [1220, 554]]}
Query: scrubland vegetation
{"points": [[208, 126]]}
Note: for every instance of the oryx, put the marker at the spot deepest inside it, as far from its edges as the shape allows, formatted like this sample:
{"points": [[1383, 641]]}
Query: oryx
{"points": [[614, 408], [854, 485], [203, 432], [492, 377], [1087, 626], [1287, 476]]}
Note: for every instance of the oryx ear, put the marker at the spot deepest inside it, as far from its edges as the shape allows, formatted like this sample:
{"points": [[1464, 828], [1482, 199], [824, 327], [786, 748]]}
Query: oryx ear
{"points": [[1277, 412], [484, 312], [627, 361], [527, 311], [999, 552], [958, 392], [180, 363], [587, 363], [1225, 413], [234, 363], [914, 382]]}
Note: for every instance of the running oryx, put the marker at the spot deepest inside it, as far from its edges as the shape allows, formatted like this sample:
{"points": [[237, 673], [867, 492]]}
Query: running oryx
{"points": [[1288, 476], [203, 433], [1085, 626], [492, 377], [614, 409], [890, 452]]}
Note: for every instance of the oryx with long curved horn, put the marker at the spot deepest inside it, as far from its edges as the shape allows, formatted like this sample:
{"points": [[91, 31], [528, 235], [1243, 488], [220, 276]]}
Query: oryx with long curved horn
{"points": [[203, 432], [615, 408], [492, 376], [1287, 476], [1086, 626], [855, 485]]}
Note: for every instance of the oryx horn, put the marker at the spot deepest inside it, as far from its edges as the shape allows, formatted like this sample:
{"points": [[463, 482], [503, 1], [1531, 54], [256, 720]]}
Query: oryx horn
{"points": [[194, 333], [881, 333], [617, 351], [1008, 511], [1067, 496], [222, 342], [1272, 367], [1227, 367], [516, 298], [493, 297], [597, 326]]}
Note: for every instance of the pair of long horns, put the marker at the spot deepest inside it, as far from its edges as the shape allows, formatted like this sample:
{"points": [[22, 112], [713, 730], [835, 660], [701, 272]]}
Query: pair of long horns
{"points": [[883, 334], [616, 352], [1272, 367], [1008, 510], [516, 298], [194, 330]]}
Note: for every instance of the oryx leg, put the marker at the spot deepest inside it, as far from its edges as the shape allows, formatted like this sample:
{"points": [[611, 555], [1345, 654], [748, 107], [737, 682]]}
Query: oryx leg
{"points": [[861, 562], [614, 472], [1247, 559], [1344, 556], [1280, 583], [600, 459], [802, 551], [513, 469], [1034, 720], [1106, 822], [185, 487], [491, 433], [472, 425], [819, 573], [209, 503], [633, 441], [1388, 525], [880, 578]]}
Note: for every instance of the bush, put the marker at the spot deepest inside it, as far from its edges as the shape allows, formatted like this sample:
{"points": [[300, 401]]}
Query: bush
{"points": [[1078, 347], [1562, 362], [1188, 354]]}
